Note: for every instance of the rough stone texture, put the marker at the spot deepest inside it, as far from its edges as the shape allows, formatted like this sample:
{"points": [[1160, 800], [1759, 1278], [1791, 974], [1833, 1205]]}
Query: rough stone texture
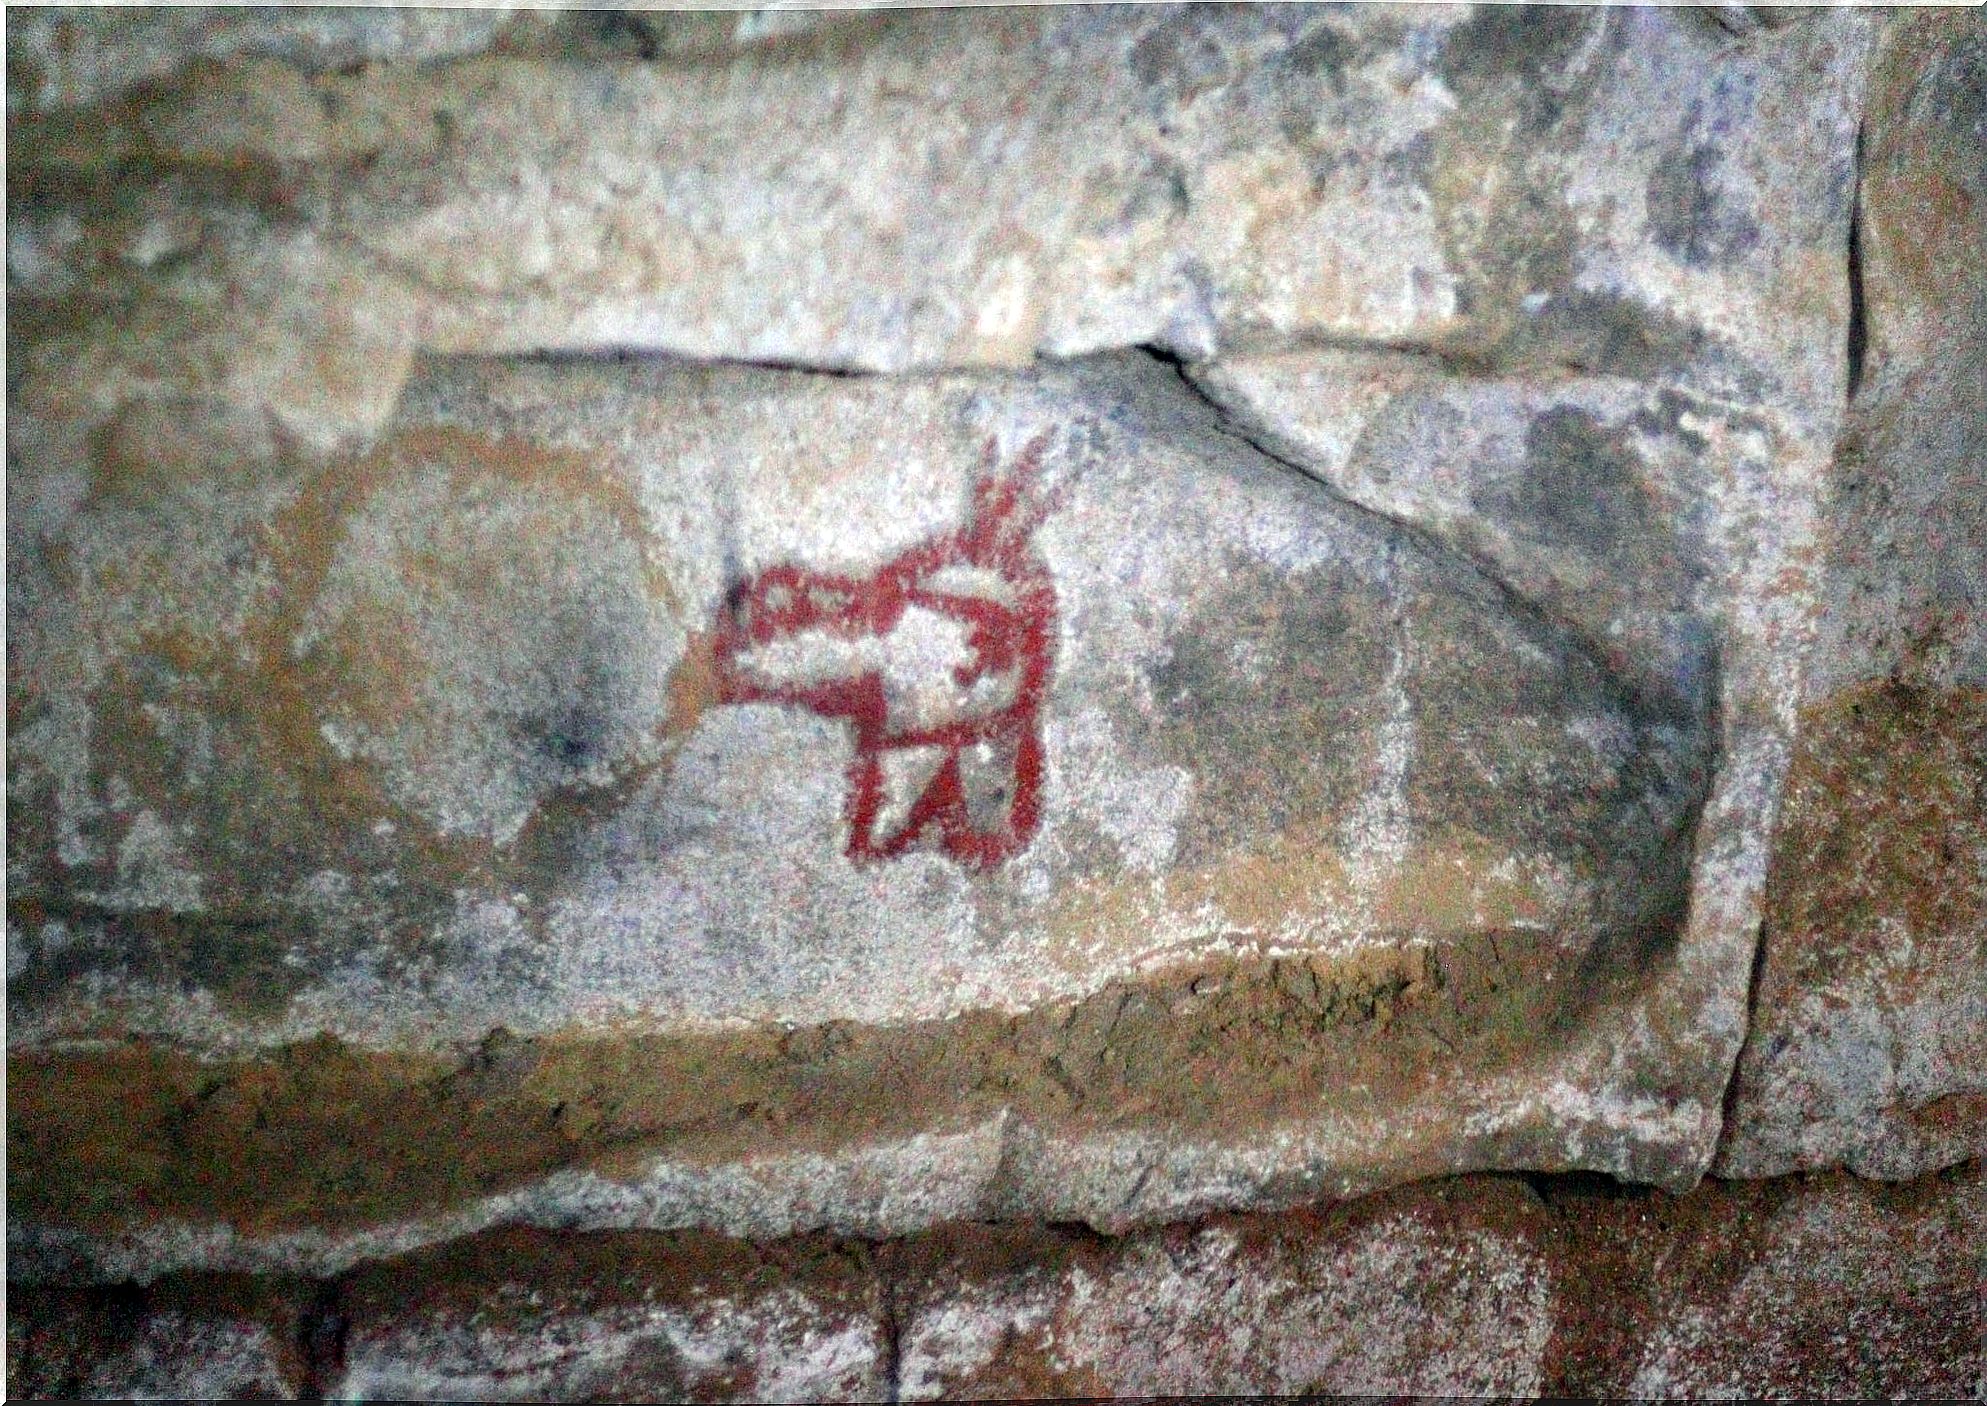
{"points": [[948, 187], [1868, 1041], [1830, 1288], [1283, 683], [508, 720], [1819, 1287], [66, 56], [1479, 1287], [200, 1338], [680, 1318], [1671, 533], [458, 790], [1424, 1296]]}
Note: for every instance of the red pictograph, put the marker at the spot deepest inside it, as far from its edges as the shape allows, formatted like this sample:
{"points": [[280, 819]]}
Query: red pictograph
{"points": [[985, 577]]}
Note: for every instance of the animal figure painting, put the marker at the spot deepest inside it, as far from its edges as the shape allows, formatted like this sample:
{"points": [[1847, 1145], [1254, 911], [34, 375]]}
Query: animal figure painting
{"points": [[939, 661]]}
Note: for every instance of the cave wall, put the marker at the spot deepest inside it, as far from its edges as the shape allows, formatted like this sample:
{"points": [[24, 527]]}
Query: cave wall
{"points": [[996, 700]]}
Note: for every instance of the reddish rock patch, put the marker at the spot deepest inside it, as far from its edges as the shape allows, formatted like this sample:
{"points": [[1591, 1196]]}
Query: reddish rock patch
{"points": [[1811, 1286]]}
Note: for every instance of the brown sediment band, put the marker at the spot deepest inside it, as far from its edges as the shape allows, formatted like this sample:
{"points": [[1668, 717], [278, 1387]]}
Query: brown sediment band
{"points": [[326, 1135]]}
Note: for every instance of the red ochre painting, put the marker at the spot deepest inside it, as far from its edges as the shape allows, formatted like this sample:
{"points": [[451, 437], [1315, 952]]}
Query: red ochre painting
{"points": [[967, 782]]}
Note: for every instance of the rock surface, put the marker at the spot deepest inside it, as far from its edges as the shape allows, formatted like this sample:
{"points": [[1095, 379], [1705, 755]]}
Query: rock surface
{"points": [[1868, 1040], [597, 708], [532, 1317], [211, 1338], [893, 191], [1802, 1288], [66, 55], [468, 789], [1829, 1288], [1277, 676], [1420, 1296]]}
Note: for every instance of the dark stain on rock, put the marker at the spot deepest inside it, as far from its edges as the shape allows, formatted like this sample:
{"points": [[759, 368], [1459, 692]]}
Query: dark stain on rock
{"points": [[1323, 54], [1582, 492], [304, 857], [1521, 50], [1580, 487], [1180, 57], [322, 1330], [1689, 217], [1494, 765], [1518, 243], [1413, 162], [1159, 193], [1601, 333], [1267, 700], [581, 723], [571, 743], [1665, 418], [1524, 78], [609, 34]]}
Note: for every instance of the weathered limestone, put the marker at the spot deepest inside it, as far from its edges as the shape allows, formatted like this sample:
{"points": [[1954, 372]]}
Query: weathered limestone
{"points": [[1186, 837], [537, 1317], [65, 56], [1811, 1287], [1284, 689], [962, 187], [1572, 492], [1868, 1040], [1417, 1295], [591, 709]]}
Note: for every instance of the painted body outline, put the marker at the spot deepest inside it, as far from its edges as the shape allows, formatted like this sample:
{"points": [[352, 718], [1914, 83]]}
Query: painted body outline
{"points": [[1014, 635]]}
